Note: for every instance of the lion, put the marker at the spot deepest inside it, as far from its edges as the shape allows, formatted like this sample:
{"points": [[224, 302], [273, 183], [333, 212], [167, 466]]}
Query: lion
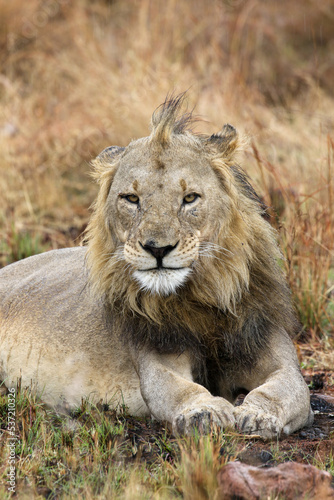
{"points": [[176, 305]]}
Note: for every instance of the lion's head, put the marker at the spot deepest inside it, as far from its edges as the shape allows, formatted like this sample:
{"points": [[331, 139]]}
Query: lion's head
{"points": [[177, 227]]}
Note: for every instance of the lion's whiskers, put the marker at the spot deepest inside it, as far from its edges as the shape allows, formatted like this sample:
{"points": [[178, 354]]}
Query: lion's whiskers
{"points": [[214, 246], [209, 249]]}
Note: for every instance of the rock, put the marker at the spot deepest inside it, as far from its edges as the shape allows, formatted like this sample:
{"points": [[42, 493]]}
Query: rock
{"points": [[325, 401], [256, 458], [322, 404], [290, 480]]}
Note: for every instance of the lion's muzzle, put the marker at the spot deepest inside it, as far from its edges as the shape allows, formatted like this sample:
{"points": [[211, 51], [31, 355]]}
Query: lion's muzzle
{"points": [[158, 252]]}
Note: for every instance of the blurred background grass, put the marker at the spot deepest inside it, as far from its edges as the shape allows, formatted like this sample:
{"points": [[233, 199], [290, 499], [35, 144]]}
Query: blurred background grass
{"points": [[77, 76]]}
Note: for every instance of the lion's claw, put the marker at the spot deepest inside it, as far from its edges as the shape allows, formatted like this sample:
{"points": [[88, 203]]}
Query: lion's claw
{"points": [[204, 420], [258, 422]]}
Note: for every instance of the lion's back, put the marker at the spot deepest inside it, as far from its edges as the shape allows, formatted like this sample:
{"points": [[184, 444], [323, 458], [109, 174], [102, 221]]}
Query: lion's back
{"points": [[48, 292], [29, 284], [64, 259]]}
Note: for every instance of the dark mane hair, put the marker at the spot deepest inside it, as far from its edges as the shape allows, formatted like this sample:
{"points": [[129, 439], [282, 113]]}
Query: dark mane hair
{"points": [[234, 302], [168, 119]]}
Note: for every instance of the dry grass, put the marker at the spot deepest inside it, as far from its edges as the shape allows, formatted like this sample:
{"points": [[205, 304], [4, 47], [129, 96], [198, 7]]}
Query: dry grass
{"points": [[77, 76], [96, 454]]}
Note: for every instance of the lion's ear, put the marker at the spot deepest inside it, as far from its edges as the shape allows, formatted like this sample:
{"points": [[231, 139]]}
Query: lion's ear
{"points": [[103, 164], [225, 141], [110, 153]]}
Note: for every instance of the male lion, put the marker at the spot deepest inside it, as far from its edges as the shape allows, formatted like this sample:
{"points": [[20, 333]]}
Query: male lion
{"points": [[178, 305]]}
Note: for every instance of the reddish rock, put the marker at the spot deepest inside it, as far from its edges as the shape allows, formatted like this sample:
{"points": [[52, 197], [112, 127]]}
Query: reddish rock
{"points": [[291, 480]]}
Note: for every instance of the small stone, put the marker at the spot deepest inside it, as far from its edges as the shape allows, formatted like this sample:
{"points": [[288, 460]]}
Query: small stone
{"points": [[266, 456]]}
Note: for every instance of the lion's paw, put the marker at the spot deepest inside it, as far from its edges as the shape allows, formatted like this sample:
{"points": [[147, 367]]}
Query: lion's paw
{"points": [[250, 420], [202, 420]]}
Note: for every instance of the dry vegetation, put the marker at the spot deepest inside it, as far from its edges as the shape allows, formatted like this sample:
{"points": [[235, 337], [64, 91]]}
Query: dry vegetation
{"points": [[77, 76]]}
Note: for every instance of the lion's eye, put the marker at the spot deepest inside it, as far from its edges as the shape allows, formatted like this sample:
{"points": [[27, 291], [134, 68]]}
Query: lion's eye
{"points": [[132, 198], [190, 198]]}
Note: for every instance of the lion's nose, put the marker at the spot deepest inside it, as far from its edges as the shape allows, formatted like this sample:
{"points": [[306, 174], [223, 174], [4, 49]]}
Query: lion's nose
{"points": [[158, 252]]}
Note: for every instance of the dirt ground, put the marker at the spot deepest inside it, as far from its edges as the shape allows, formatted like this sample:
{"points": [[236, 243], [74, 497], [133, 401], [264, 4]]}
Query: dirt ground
{"points": [[313, 445]]}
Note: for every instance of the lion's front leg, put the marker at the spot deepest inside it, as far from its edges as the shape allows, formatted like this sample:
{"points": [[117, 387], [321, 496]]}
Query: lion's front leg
{"points": [[280, 405], [279, 399], [168, 390]]}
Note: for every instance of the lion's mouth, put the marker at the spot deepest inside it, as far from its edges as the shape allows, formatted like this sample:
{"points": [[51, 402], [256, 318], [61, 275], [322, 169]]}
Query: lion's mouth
{"points": [[162, 281], [161, 269]]}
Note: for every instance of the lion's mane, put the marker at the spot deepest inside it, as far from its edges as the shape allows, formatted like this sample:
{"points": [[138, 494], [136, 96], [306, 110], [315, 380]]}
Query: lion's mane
{"points": [[236, 298]]}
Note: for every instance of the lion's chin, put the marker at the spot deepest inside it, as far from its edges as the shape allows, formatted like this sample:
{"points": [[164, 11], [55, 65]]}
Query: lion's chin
{"points": [[162, 281]]}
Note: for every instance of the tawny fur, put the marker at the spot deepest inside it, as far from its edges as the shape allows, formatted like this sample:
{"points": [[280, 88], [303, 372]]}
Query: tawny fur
{"points": [[179, 303], [237, 275]]}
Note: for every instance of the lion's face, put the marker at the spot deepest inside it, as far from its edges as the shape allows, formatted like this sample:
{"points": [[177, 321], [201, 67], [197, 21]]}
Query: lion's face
{"points": [[178, 249], [174, 216], [162, 209]]}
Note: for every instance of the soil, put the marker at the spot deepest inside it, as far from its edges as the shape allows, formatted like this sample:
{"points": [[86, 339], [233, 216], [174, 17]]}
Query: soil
{"points": [[149, 442], [309, 445], [312, 445]]}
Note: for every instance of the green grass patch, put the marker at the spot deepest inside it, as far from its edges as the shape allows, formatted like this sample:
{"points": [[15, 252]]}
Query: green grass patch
{"points": [[17, 245]]}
